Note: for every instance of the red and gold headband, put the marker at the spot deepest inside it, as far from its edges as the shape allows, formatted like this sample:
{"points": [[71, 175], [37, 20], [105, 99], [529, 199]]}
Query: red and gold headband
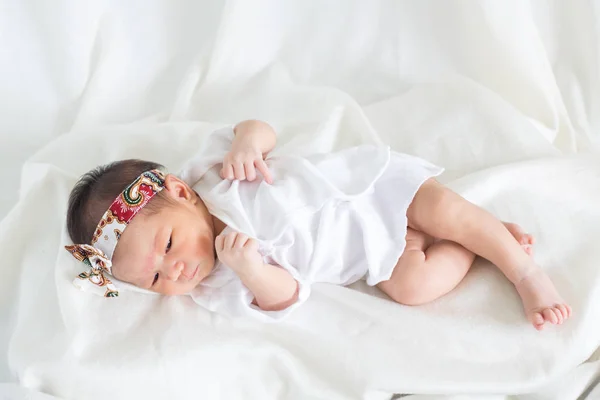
{"points": [[98, 255]]}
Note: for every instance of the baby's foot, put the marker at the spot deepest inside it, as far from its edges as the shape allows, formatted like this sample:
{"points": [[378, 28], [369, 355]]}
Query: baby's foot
{"points": [[541, 301], [525, 239]]}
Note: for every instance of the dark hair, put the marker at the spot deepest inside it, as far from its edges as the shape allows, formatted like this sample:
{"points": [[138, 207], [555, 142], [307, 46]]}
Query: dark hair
{"points": [[96, 190]]}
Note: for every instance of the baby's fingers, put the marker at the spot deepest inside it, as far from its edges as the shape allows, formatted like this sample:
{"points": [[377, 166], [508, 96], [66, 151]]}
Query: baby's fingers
{"points": [[240, 240], [251, 244], [250, 171], [229, 240], [219, 241], [264, 170], [227, 171], [238, 169]]}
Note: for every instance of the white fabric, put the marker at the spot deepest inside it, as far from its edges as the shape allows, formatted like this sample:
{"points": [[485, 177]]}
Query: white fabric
{"points": [[505, 95], [327, 218]]}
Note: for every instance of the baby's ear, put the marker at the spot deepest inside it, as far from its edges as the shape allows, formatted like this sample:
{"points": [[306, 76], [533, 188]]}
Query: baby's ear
{"points": [[177, 188]]}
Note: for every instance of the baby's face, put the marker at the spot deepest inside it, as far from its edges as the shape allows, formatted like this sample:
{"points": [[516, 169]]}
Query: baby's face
{"points": [[170, 251]]}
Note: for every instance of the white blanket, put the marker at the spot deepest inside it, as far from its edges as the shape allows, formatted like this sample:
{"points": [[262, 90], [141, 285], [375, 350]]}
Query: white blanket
{"points": [[505, 96]]}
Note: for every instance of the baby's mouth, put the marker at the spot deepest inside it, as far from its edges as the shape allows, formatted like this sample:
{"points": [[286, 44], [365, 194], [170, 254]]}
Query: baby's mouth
{"points": [[195, 272], [191, 276]]}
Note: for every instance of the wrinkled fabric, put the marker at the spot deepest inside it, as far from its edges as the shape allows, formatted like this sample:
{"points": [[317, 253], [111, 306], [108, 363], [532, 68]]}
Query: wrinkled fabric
{"points": [[327, 218], [504, 95]]}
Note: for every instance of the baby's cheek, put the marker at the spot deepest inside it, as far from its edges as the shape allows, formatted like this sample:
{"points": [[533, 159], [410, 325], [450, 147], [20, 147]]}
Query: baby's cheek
{"points": [[206, 247], [148, 265]]}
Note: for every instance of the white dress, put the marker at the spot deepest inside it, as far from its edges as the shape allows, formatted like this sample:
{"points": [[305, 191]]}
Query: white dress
{"points": [[332, 218]]}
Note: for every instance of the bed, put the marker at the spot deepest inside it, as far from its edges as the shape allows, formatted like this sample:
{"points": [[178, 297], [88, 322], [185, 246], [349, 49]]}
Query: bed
{"points": [[505, 95]]}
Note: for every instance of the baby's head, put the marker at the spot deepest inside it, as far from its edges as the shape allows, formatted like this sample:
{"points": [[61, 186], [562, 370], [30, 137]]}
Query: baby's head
{"points": [[168, 247]]}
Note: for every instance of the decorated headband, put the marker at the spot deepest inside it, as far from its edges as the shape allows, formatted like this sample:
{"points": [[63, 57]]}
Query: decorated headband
{"points": [[98, 256]]}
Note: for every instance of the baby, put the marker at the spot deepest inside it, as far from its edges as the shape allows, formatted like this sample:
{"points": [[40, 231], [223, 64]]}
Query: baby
{"points": [[244, 234]]}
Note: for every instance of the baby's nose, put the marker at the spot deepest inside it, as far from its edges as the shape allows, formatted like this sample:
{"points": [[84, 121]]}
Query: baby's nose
{"points": [[175, 271]]}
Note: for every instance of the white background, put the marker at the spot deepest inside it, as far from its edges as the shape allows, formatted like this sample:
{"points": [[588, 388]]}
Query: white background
{"points": [[505, 95]]}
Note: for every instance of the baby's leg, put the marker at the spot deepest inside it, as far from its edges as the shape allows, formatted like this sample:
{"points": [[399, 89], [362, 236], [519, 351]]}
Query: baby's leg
{"points": [[442, 213], [426, 271]]}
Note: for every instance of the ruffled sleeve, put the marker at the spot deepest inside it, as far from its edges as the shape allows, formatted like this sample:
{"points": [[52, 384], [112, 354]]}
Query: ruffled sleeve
{"points": [[224, 293]]}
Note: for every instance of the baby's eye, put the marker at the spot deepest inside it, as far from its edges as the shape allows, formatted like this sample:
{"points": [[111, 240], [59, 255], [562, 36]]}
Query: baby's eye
{"points": [[155, 279], [168, 245]]}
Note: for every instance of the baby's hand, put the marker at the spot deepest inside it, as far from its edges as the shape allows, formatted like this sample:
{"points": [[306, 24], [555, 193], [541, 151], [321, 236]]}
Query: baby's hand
{"points": [[242, 162], [239, 252]]}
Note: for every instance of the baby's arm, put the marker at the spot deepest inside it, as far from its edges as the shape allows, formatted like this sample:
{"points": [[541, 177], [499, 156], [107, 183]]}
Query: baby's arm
{"points": [[252, 142], [273, 287]]}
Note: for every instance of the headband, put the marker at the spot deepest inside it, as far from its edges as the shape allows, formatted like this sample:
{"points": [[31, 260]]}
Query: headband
{"points": [[98, 255]]}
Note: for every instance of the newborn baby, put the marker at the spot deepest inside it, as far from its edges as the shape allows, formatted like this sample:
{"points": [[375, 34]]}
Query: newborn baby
{"points": [[244, 234]]}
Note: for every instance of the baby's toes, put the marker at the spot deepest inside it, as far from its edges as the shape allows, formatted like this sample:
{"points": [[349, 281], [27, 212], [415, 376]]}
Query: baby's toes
{"points": [[564, 310], [537, 320], [531, 239], [550, 316], [559, 315], [528, 249], [526, 239]]}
